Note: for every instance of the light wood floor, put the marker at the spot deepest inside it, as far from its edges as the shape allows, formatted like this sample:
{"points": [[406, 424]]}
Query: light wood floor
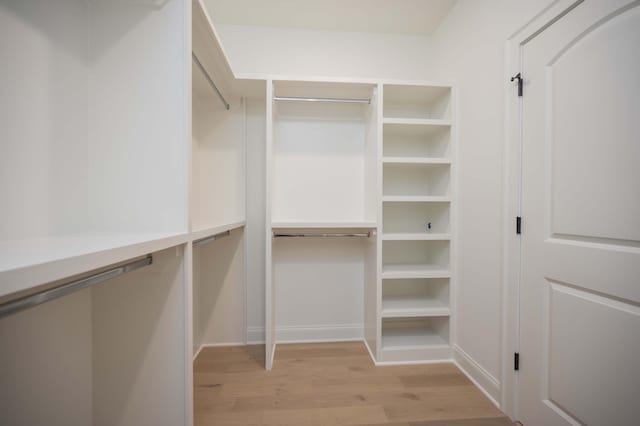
{"points": [[332, 384]]}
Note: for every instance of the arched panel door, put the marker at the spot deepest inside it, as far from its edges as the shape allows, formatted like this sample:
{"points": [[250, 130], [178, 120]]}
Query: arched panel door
{"points": [[580, 288]]}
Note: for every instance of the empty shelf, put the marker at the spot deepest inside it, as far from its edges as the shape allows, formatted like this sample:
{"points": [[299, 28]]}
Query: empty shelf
{"points": [[413, 306], [417, 121], [320, 225], [28, 263], [415, 199], [207, 232], [415, 236], [410, 338], [415, 160], [414, 271]]}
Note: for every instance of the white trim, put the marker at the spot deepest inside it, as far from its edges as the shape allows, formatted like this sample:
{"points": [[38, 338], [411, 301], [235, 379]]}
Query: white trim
{"points": [[215, 345], [273, 355], [350, 80], [454, 218], [195, 355], [220, 345], [320, 333], [308, 334], [245, 249], [366, 344], [420, 362], [511, 199], [489, 385]]}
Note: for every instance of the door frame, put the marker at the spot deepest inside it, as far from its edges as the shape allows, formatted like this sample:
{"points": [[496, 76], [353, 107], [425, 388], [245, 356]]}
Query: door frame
{"points": [[512, 195]]}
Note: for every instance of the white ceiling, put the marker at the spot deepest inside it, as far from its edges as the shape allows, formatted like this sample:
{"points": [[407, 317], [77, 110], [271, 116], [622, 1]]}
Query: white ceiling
{"points": [[377, 16]]}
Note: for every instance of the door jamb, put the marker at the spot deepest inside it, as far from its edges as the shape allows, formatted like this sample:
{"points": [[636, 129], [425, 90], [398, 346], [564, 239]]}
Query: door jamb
{"points": [[512, 193]]}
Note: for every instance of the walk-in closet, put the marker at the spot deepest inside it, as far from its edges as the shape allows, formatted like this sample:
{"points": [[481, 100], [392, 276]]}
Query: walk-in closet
{"points": [[266, 212]]}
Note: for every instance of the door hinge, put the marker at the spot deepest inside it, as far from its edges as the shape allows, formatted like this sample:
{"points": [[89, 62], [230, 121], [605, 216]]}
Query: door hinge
{"points": [[518, 225], [520, 82], [516, 361]]}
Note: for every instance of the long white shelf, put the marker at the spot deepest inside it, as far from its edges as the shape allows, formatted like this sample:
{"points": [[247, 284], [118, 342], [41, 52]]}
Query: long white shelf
{"points": [[28, 263], [327, 225], [411, 338], [414, 271], [413, 306], [416, 199], [415, 236], [415, 160], [207, 232], [417, 121]]}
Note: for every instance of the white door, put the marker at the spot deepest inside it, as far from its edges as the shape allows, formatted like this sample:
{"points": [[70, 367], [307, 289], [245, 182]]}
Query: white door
{"points": [[580, 288]]}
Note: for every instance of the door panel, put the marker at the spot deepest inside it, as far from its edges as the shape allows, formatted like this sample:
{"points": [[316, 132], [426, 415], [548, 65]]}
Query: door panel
{"points": [[605, 355], [580, 288], [595, 96]]}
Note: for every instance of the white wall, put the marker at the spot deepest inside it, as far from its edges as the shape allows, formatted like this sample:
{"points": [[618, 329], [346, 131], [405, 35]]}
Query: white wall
{"points": [[267, 50], [43, 117], [469, 48]]}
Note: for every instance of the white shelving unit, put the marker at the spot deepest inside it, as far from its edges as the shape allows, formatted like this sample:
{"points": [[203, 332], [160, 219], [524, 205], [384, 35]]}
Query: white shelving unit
{"points": [[322, 168], [218, 188], [95, 175], [218, 146], [120, 150], [417, 234]]}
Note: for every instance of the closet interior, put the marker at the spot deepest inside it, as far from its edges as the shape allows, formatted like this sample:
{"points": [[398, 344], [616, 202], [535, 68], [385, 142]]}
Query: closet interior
{"points": [[130, 155]]}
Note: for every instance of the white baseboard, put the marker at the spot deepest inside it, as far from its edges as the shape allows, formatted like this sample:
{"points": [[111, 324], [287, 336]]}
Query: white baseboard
{"points": [[215, 345], [373, 358], [320, 333], [309, 334], [480, 377], [195, 355]]}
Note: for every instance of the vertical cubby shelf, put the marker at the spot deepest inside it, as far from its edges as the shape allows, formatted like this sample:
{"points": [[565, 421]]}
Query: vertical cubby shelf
{"points": [[417, 233]]}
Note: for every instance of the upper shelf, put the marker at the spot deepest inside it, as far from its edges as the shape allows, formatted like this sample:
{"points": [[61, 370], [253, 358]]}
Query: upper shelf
{"points": [[209, 52], [414, 103], [415, 199], [415, 160], [199, 234], [323, 225], [25, 264], [417, 121]]}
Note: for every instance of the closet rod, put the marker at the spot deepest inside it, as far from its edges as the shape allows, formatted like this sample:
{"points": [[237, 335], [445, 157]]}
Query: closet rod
{"points": [[207, 240], [282, 235], [213, 85], [335, 100], [32, 300]]}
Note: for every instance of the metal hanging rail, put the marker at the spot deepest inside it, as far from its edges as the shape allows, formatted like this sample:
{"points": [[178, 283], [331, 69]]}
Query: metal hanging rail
{"points": [[288, 235], [32, 300], [334, 100], [207, 240], [210, 80]]}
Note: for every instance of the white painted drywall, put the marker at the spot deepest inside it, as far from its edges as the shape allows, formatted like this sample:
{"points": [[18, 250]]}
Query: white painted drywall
{"points": [[43, 117], [267, 50], [469, 47]]}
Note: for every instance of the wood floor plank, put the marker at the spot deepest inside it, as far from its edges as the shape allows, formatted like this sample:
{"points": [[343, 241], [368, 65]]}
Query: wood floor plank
{"points": [[332, 384]]}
